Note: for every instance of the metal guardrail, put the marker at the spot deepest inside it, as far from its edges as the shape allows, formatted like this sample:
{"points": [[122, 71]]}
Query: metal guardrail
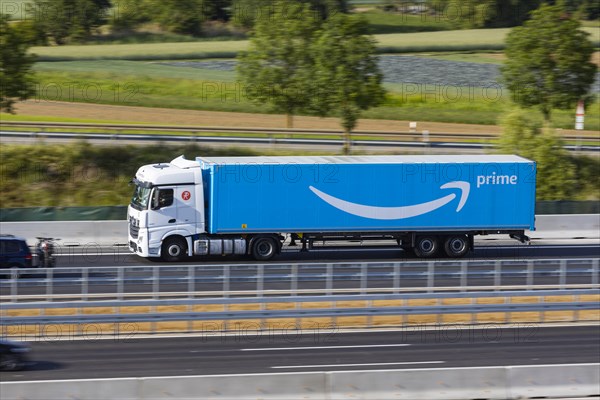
{"points": [[157, 281], [298, 312], [275, 136], [42, 126]]}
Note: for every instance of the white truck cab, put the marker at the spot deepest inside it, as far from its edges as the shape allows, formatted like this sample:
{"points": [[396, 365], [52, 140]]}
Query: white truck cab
{"points": [[167, 209]]}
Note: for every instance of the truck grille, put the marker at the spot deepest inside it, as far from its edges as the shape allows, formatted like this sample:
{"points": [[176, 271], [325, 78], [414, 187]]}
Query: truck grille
{"points": [[134, 231], [134, 227]]}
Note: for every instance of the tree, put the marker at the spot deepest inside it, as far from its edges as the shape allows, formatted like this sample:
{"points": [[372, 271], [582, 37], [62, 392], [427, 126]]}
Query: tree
{"points": [[347, 74], [130, 13], [277, 67], [64, 20], [246, 12], [524, 135], [179, 16], [16, 77], [548, 61], [471, 14]]}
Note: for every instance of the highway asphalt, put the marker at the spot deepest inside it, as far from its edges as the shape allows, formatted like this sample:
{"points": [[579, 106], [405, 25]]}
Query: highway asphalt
{"points": [[312, 271], [97, 257], [323, 349]]}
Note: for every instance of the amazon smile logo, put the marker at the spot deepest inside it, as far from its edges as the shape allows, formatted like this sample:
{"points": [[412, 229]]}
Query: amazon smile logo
{"points": [[402, 212]]}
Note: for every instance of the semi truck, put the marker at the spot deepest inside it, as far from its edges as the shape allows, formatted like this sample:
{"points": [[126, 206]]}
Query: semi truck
{"points": [[429, 205]]}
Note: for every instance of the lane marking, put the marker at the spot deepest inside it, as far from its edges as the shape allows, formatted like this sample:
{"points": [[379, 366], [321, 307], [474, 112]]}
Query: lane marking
{"points": [[343, 331], [327, 347], [356, 365], [151, 378], [110, 252]]}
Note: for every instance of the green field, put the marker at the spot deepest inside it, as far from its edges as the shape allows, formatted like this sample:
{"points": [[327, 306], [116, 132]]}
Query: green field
{"points": [[151, 84], [458, 40], [383, 22]]}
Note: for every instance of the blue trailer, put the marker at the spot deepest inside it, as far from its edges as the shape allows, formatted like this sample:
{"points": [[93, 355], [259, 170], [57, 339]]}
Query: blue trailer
{"points": [[254, 205]]}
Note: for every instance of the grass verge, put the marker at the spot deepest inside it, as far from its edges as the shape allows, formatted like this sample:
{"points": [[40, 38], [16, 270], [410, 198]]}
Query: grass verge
{"points": [[193, 89]]}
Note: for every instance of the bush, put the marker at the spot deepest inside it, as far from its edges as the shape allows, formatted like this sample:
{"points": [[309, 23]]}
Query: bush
{"points": [[525, 135], [81, 174]]}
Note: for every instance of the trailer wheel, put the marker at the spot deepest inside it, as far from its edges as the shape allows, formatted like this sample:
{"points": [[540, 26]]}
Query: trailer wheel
{"points": [[174, 249], [264, 248], [426, 246], [456, 246]]}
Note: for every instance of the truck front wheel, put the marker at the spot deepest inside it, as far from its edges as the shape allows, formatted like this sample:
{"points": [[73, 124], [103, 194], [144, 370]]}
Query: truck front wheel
{"points": [[264, 248], [426, 246], [456, 246], [174, 249]]}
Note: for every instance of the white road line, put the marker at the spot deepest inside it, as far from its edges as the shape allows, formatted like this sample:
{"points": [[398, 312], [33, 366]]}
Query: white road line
{"points": [[326, 347], [356, 365]]}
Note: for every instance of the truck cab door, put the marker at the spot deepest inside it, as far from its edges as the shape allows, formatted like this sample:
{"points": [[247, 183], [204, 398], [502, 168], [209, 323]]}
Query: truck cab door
{"points": [[186, 207], [164, 209]]}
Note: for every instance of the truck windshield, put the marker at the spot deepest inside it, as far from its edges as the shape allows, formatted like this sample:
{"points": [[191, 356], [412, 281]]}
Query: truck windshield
{"points": [[140, 198]]}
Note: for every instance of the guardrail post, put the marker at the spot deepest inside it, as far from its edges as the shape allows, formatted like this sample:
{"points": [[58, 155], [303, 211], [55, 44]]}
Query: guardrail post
{"points": [[541, 300], [529, 274], [563, 274], [497, 274], [260, 281], [226, 284], [260, 287], [595, 268], [191, 282], [120, 282], [294, 281], [85, 282], [430, 272], [226, 275], [155, 293], [577, 299], [329, 279], [49, 283], [155, 283], [191, 290], [294, 292], [363, 278], [396, 278], [14, 289], [463, 276]]}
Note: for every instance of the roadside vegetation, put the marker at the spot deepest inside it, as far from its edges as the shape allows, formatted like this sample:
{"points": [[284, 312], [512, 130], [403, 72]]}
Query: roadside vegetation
{"points": [[155, 85], [116, 54], [82, 174]]}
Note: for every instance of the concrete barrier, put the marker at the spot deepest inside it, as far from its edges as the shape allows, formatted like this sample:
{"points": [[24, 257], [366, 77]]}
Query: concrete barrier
{"points": [[109, 233], [430, 384], [103, 233], [510, 382], [576, 380]]}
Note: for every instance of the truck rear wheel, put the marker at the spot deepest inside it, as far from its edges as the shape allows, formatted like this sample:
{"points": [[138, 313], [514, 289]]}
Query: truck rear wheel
{"points": [[456, 246], [174, 249], [426, 246], [264, 248]]}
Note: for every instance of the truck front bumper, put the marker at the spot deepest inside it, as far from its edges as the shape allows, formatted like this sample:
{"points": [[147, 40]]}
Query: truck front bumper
{"points": [[141, 247]]}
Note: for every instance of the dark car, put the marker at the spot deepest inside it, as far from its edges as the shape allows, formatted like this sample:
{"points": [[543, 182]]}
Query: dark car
{"points": [[14, 253], [13, 355]]}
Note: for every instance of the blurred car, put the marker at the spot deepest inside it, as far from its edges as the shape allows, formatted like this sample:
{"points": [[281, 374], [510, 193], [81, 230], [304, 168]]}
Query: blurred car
{"points": [[13, 355], [14, 254]]}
